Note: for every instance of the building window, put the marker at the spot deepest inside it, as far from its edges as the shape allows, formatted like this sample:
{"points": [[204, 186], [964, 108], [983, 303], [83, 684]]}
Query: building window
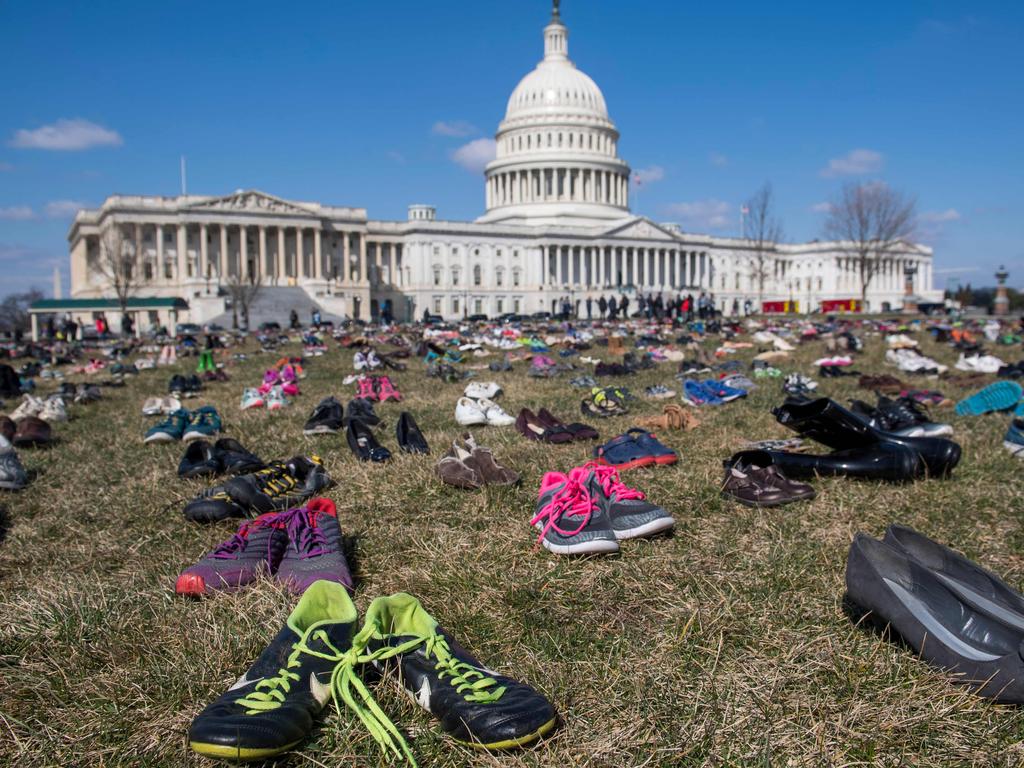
{"points": [[499, 277], [437, 250], [437, 275], [478, 306], [455, 275], [455, 306], [499, 305], [516, 305], [437, 305], [516, 280], [478, 276]]}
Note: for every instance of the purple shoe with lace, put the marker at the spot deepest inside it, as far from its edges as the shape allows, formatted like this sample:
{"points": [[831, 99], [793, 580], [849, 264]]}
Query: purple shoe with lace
{"points": [[314, 547], [257, 548]]}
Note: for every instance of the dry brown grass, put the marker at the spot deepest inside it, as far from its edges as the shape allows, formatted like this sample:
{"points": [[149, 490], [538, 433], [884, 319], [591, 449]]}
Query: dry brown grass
{"points": [[724, 644]]}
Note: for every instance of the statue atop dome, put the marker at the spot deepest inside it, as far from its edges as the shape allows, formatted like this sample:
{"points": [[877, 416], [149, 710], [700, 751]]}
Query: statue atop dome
{"points": [[554, 11]]}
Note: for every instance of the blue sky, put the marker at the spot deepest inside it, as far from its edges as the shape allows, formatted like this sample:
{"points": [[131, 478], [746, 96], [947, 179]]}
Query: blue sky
{"points": [[382, 104]]}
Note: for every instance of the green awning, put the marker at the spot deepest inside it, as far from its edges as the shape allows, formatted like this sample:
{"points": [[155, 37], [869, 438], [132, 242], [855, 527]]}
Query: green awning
{"points": [[136, 303]]}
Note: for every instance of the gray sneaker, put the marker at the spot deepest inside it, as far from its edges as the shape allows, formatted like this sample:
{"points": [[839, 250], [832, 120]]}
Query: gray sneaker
{"points": [[315, 549], [570, 519], [13, 476], [631, 515]]}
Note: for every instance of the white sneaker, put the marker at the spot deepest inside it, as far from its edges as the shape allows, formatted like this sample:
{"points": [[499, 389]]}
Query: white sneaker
{"points": [[372, 361], [468, 412], [252, 398], [153, 406], [482, 390], [30, 406], [170, 404], [276, 399], [359, 361], [496, 415], [54, 410]]}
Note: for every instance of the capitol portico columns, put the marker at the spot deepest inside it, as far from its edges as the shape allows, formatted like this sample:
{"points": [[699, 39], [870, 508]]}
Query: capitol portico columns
{"points": [[317, 264], [280, 272], [243, 254], [262, 269], [204, 253], [222, 257], [182, 251]]}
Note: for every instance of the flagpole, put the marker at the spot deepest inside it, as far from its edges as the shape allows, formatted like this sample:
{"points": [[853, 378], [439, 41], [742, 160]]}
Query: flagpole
{"points": [[184, 188]]}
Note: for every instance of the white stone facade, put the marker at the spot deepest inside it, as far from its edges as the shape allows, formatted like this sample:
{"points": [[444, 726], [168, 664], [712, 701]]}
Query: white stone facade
{"points": [[557, 227]]}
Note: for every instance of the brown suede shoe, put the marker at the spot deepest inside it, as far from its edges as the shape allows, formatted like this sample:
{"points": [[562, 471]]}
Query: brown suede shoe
{"points": [[483, 461], [32, 432], [455, 468]]}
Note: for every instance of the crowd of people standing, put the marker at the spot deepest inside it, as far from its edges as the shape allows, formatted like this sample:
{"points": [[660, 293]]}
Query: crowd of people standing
{"points": [[682, 307]]}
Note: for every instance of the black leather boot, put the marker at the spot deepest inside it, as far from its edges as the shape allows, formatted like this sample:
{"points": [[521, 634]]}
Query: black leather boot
{"points": [[830, 424], [883, 461]]}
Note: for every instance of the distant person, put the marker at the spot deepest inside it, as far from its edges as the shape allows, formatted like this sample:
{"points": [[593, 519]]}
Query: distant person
{"points": [[590, 308], [624, 306], [293, 319], [127, 325], [316, 318], [613, 308], [602, 306]]}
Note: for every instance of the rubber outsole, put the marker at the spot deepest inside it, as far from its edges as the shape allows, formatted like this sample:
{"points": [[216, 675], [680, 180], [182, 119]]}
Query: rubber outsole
{"points": [[1000, 396], [225, 752], [320, 431], [647, 529], [594, 547], [190, 585], [645, 461], [521, 741]]}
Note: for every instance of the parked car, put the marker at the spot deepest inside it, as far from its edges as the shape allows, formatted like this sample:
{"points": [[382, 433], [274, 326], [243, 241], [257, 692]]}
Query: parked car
{"points": [[269, 325], [541, 316], [477, 318], [187, 329]]}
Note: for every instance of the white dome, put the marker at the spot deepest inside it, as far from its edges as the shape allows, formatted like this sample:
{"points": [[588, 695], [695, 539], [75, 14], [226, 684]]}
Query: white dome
{"points": [[556, 87]]}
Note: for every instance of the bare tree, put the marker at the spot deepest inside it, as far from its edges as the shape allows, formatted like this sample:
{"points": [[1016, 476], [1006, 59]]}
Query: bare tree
{"points": [[870, 223], [764, 230], [243, 292], [119, 266], [14, 308]]}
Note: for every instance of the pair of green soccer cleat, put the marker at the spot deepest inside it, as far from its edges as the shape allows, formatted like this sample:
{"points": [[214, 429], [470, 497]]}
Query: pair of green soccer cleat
{"points": [[317, 657]]}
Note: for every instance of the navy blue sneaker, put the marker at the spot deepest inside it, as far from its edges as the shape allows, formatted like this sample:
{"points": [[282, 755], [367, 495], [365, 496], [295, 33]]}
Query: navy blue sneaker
{"points": [[636, 448]]}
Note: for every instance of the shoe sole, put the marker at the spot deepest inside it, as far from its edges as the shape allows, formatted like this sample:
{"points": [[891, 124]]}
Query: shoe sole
{"points": [[188, 437], [647, 529], [1016, 450], [9, 486], [320, 431], [596, 547], [520, 741], [225, 752], [190, 585], [646, 461], [1000, 396], [161, 437], [766, 504]]}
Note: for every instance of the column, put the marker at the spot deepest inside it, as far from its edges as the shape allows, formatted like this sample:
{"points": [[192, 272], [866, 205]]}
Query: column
{"points": [[261, 268], [281, 268], [344, 258], [137, 255], [243, 253], [300, 265], [599, 252], [159, 252], [204, 252], [318, 266], [182, 245], [362, 261], [222, 257]]}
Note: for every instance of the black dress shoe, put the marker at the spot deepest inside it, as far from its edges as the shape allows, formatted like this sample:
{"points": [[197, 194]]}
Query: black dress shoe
{"points": [[942, 627], [361, 409], [199, 461], [235, 459], [363, 444], [410, 439], [884, 461], [829, 423]]}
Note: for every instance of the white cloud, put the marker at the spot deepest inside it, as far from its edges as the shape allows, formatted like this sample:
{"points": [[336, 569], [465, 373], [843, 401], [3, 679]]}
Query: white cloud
{"points": [[648, 175], [475, 155], [701, 214], [823, 207], [63, 209], [718, 159], [856, 162], [957, 270], [16, 213], [940, 217], [65, 134], [460, 129], [396, 156]]}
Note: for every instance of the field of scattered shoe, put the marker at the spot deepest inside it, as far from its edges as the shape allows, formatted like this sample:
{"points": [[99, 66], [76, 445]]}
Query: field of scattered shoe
{"points": [[725, 642]]}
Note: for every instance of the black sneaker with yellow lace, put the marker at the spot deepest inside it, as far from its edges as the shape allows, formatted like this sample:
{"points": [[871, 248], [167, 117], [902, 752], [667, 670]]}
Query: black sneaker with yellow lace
{"points": [[272, 708], [283, 484], [476, 706]]}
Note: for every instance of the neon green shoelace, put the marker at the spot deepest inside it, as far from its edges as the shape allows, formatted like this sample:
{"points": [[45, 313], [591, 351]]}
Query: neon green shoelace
{"points": [[467, 679]]}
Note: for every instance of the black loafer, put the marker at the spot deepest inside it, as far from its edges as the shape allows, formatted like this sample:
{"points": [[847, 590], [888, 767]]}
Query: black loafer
{"points": [[361, 410], [199, 460], [363, 444], [410, 439], [235, 459]]}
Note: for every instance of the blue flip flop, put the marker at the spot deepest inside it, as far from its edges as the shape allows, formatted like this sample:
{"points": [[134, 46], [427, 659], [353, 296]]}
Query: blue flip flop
{"points": [[1000, 396]]}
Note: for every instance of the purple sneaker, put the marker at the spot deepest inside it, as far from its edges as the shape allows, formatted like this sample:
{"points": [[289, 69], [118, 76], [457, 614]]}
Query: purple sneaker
{"points": [[256, 548], [314, 548]]}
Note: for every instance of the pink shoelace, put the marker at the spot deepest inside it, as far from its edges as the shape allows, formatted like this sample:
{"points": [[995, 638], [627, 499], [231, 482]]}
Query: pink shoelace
{"points": [[573, 500], [365, 389], [612, 484]]}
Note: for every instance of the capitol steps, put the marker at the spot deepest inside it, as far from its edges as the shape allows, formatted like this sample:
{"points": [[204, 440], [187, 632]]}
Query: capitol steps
{"points": [[274, 304]]}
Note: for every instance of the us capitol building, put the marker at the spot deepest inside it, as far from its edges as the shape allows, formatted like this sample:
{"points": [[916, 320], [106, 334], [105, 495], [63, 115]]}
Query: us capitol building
{"points": [[557, 227]]}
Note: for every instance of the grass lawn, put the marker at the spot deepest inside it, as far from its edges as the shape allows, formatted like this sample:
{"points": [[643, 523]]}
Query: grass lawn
{"points": [[723, 644]]}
